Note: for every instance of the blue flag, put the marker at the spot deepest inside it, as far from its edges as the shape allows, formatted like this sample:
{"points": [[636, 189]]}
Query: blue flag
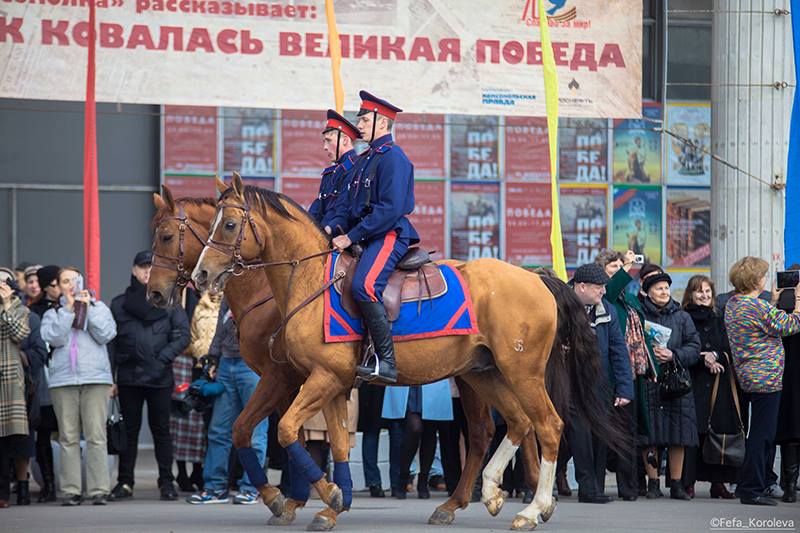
{"points": [[791, 231]]}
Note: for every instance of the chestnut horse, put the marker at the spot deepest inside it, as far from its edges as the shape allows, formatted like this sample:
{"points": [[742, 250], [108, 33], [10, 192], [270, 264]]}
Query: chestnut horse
{"points": [[519, 319], [180, 228]]}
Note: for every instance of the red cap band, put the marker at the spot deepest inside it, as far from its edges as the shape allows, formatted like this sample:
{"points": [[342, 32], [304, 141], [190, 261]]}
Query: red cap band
{"points": [[382, 109], [345, 128]]}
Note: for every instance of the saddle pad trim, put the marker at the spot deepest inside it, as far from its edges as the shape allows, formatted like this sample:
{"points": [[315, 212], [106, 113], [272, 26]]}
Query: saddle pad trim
{"points": [[448, 330]]}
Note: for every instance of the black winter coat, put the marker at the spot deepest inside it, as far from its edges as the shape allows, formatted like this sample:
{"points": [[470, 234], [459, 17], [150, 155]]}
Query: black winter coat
{"points": [[675, 420], [713, 338], [789, 411], [147, 341]]}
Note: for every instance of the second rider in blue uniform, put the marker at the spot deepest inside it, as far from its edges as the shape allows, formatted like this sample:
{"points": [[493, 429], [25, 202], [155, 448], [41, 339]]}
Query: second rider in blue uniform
{"points": [[373, 213]]}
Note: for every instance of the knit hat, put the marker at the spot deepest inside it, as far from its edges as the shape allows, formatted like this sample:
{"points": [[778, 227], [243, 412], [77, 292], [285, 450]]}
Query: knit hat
{"points": [[649, 268], [591, 273], [655, 278], [47, 274]]}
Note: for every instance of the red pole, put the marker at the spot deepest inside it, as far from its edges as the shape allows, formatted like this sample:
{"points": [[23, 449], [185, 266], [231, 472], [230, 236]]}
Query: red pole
{"points": [[91, 201]]}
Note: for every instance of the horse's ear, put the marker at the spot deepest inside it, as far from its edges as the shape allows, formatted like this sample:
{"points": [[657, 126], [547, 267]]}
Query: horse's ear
{"points": [[167, 194], [221, 185], [159, 202], [238, 185]]}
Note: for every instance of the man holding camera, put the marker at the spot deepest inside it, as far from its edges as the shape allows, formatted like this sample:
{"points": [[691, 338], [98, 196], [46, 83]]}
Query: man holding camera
{"points": [[148, 340]]}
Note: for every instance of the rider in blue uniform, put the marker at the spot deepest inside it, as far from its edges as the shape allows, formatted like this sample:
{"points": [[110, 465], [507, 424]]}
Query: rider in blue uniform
{"points": [[338, 137], [373, 213]]}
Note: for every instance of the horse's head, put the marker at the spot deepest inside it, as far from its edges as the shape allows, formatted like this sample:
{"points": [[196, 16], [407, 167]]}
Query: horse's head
{"points": [[235, 240], [180, 229]]}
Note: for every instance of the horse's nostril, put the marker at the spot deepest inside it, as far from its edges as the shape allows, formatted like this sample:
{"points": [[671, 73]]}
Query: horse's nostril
{"points": [[201, 277], [155, 298]]}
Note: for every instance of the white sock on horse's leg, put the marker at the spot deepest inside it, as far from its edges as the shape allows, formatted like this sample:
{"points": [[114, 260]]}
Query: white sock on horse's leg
{"points": [[544, 492], [493, 472]]}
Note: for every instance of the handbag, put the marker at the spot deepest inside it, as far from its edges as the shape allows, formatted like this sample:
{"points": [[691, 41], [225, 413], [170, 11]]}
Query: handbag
{"points": [[725, 449], [675, 381], [116, 434]]}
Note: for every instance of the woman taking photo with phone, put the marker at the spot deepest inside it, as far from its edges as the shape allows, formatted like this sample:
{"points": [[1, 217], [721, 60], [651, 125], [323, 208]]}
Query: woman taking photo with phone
{"points": [[78, 330], [755, 329]]}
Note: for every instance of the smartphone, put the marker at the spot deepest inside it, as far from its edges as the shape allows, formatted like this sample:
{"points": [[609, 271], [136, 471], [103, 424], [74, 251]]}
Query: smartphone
{"points": [[638, 259], [788, 279], [77, 285]]}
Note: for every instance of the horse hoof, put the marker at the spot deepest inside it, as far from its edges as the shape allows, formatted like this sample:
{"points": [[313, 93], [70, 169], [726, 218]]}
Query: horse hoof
{"points": [[547, 513], [441, 517], [286, 519], [335, 501], [494, 505], [321, 523], [277, 506], [522, 523]]}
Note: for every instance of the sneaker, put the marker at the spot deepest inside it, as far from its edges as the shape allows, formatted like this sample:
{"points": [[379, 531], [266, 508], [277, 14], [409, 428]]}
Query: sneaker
{"points": [[208, 497], [122, 491], [245, 498], [774, 491], [99, 499], [71, 501], [168, 492]]}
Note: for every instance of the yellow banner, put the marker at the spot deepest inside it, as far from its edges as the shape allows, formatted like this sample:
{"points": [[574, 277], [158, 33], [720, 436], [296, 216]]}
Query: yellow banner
{"points": [[335, 46], [551, 106]]}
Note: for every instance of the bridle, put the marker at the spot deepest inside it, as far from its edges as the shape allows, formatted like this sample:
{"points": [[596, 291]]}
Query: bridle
{"points": [[239, 266], [183, 276]]}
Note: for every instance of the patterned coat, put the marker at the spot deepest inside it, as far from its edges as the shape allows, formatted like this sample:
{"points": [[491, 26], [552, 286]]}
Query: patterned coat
{"points": [[14, 328], [204, 324]]}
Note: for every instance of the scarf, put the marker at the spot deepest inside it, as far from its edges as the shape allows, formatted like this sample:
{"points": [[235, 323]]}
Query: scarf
{"points": [[634, 338], [137, 305]]}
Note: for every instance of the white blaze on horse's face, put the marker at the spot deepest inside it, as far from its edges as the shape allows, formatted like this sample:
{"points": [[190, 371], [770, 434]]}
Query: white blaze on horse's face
{"points": [[217, 220]]}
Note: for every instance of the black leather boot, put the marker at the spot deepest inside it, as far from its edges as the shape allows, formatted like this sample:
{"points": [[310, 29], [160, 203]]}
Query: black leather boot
{"points": [[677, 491], [790, 469], [45, 459], [654, 489], [23, 493], [377, 323]]}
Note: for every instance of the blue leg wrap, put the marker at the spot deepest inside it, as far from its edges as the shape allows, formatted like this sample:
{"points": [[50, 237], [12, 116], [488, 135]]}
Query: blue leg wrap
{"points": [[341, 476], [251, 465], [303, 463], [299, 489]]}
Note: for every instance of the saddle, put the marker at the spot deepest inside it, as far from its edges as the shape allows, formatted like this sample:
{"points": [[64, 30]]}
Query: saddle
{"points": [[415, 279]]}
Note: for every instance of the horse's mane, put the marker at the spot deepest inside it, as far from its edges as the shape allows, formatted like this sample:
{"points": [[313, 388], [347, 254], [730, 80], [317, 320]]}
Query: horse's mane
{"points": [[266, 199], [163, 214]]}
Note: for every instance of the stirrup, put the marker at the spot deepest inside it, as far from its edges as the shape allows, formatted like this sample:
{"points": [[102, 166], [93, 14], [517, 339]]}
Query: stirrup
{"points": [[367, 372]]}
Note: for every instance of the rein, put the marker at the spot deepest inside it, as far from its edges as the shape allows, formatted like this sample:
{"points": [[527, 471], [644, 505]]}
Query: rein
{"points": [[176, 263], [239, 266]]}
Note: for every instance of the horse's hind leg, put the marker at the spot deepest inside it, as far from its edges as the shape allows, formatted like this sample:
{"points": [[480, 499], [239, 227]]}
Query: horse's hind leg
{"points": [[264, 400], [491, 386], [481, 429], [336, 421], [525, 376], [319, 390]]}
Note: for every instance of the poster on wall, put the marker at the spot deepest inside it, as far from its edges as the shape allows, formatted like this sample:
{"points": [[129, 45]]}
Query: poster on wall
{"points": [[302, 190], [422, 139], [474, 147], [248, 141], [190, 139], [301, 143], [637, 148], [680, 280], [262, 182], [474, 220], [687, 164], [583, 150], [584, 222], [428, 217], [191, 186], [527, 150], [688, 227], [528, 222], [637, 221]]}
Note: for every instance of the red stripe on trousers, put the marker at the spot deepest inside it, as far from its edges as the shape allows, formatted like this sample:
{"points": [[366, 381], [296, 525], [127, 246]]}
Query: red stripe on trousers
{"points": [[380, 262]]}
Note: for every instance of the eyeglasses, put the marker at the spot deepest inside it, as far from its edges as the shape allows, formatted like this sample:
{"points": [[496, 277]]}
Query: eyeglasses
{"points": [[53, 285]]}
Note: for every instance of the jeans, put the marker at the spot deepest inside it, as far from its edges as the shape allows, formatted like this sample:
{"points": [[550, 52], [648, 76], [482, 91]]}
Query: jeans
{"points": [[758, 447], [159, 403], [369, 455], [239, 383]]}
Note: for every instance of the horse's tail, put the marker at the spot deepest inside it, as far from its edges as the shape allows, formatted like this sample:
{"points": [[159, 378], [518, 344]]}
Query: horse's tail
{"points": [[574, 374]]}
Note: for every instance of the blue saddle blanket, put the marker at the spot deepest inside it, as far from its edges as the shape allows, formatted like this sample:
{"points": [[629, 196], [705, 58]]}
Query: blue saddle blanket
{"points": [[449, 314]]}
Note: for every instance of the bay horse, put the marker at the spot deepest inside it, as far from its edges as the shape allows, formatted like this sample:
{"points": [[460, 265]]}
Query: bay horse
{"points": [[521, 317], [180, 229]]}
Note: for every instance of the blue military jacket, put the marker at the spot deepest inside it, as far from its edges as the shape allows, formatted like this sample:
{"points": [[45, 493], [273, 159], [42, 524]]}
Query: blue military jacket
{"points": [[334, 179], [379, 195]]}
